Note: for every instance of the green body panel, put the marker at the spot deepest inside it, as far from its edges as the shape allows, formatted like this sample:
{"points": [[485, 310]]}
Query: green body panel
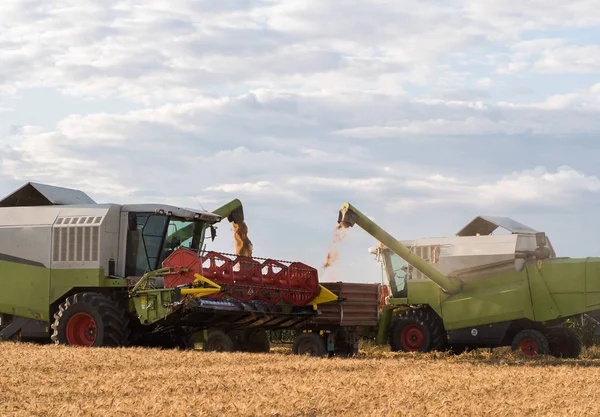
{"points": [[385, 321], [25, 290], [574, 286], [64, 280], [28, 291], [555, 288], [484, 301], [150, 304], [425, 290], [592, 283]]}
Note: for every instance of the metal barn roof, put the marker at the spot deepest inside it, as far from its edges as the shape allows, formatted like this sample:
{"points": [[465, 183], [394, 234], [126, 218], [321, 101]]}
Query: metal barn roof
{"points": [[35, 194]]}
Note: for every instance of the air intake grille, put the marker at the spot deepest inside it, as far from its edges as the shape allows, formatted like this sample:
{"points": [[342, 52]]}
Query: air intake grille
{"points": [[76, 239]]}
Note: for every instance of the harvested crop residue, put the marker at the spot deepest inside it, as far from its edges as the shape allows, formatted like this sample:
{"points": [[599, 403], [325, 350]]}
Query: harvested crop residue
{"points": [[243, 245], [62, 381], [339, 233]]}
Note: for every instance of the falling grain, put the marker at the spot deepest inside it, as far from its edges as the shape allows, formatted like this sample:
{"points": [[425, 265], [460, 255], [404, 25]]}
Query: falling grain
{"points": [[339, 234], [243, 245]]}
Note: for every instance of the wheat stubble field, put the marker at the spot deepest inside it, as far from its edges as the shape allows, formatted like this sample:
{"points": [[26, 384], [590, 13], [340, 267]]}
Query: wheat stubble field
{"points": [[53, 381]]}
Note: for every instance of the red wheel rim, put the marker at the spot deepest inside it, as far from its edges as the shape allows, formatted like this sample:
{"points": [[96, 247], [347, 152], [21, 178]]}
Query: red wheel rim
{"points": [[529, 347], [81, 330], [412, 337]]}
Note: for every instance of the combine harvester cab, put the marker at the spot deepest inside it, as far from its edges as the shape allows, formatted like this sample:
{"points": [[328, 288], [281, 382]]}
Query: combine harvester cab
{"points": [[479, 290], [81, 273]]}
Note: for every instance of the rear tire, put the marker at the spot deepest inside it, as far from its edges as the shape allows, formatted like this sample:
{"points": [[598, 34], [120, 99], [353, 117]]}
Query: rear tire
{"points": [[417, 330], [530, 343], [564, 342], [256, 341], [90, 319], [219, 341], [311, 344]]}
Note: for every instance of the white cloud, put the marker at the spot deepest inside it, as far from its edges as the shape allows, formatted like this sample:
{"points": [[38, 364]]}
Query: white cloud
{"points": [[367, 184], [178, 50], [485, 82], [305, 104], [585, 102], [271, 144], [445, 118], [552, 56], [514, 16], [260, 188], [536, 187]]}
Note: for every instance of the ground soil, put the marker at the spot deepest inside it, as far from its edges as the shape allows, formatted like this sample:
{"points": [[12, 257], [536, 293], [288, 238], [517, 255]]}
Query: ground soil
{"points": [[51, 381]]}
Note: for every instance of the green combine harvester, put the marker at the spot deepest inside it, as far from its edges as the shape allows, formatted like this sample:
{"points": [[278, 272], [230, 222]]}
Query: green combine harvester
{"points": [[481, 290], [80, 273]]}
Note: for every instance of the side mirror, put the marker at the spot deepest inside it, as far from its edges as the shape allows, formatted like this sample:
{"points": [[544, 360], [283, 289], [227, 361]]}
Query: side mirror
{"points": [[540, 239], [213, 233]]}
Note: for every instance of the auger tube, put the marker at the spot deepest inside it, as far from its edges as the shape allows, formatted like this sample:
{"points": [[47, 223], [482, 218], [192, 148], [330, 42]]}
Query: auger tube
{"points": [[233, 211], [348, 216]]}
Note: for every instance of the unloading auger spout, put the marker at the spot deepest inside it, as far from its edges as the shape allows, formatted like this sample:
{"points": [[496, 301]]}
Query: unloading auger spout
{"points": [[348, 216], [233, 211]]}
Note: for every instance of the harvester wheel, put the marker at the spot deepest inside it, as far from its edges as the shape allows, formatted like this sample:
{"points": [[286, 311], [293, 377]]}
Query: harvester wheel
{"points": [[219, 341], [89, 319], [309, 343], [417, 330], [564, 342], [256, 341], [531, 343]]}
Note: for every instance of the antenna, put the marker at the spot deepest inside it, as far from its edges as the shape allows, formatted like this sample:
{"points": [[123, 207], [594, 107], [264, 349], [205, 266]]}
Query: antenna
{"points": [[198, 201]]}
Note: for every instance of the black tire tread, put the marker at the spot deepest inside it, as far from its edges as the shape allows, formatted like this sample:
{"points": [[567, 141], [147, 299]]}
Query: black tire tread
{"points": [[256, 341], [431, 323], [318, 339], [572, 337], [537, 336], [114, 319], [227, 340]]}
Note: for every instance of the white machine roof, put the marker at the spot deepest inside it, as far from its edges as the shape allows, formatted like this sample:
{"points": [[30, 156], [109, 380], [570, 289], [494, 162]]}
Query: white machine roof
{"points": [[185, 213], [482, 226], [36, 194], [486, 225]]}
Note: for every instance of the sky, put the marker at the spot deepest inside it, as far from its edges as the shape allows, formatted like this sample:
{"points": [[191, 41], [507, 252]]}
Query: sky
{"points": [[422, 114]]}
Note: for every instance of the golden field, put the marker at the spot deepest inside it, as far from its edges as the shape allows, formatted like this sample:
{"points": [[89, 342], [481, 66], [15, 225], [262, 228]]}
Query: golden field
{"points": [[52, 381]]}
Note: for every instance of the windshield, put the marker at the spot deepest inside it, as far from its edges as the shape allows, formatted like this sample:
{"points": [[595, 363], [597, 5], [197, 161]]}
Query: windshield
{"points": [[396, 270], [156, 237]]}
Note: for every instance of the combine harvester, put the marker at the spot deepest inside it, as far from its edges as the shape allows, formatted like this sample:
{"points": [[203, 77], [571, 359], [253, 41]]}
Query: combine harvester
{"points": [[479, 290], [81, 273]]}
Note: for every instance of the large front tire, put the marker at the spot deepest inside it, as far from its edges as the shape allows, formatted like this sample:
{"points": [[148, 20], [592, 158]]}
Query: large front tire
{"points": [[90, 319], [417, 330]]}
